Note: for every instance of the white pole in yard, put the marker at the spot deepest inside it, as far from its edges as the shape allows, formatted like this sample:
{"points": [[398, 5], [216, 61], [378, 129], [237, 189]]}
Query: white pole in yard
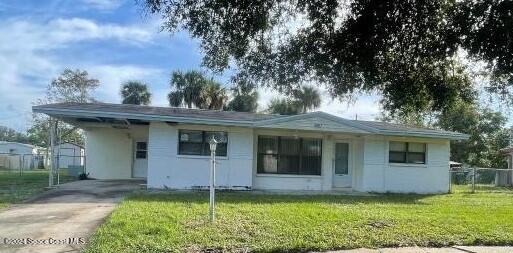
{"points": [[53, 129], [211, 211]]}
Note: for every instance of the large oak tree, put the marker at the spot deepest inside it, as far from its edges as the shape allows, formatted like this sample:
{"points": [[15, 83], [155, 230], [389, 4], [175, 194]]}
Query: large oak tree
{"points": [[405, 50]]}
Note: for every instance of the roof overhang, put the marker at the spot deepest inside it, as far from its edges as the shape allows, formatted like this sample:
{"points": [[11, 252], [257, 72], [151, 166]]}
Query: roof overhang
{"points": [[71, 116], [60, 113]]}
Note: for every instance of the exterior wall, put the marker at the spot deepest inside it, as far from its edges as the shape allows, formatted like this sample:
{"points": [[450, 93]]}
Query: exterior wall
{"points": [[381, 176], [109, 151], [168, 169], [110, 155], [324, 182]]}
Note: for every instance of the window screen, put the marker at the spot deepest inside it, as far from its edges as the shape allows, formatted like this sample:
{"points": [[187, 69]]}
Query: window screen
{"points": [[407, 152], [194, 142], [289, 155]]}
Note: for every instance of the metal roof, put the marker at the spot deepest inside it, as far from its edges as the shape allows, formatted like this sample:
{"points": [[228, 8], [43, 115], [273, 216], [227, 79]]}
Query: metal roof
{"points": [[216, 117]]}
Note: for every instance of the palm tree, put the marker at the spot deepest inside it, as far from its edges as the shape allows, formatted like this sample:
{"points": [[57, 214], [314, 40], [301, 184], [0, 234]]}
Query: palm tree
{"points": [[213, 96], [282, 106], [245, 98], [187, 88], [135, 92], [307, 98], [301, 100]]}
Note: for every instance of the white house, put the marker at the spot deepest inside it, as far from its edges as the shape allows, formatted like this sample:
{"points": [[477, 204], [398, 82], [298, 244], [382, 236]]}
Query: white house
{"points": [[70, 154], [15, 156], [314, 151]]}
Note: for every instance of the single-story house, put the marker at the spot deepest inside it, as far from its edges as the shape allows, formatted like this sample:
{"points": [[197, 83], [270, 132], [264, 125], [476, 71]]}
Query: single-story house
{"points": [[307, 152], [70, 154], [16, 156]]}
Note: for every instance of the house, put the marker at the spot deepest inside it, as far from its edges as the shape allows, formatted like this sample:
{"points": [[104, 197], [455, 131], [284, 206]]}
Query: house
{"points": [[308, 152], [16, 156], [70, 154]]}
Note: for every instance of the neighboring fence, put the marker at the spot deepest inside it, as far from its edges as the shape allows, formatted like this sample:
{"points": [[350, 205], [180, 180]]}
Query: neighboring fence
{"points": [[481, 180], [18, 163], [69, 166]]}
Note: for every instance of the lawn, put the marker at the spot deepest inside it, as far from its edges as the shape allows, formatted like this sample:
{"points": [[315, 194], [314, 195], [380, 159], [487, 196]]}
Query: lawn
{"points": [[15, 188], [177, 222]]}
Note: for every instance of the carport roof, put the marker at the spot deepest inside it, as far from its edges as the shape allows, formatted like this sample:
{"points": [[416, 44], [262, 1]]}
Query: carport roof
{"points": [[216, 117]]}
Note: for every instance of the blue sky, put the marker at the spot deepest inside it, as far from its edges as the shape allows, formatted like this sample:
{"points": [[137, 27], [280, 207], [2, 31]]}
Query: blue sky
{"points": [[111, 39]]}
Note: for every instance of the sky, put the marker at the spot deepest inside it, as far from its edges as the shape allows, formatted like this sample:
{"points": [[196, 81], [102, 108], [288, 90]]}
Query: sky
{"points": [[114, 41]]}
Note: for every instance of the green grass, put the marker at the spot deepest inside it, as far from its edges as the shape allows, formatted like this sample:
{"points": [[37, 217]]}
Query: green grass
{"points": [[177, 222], [15, 188]]}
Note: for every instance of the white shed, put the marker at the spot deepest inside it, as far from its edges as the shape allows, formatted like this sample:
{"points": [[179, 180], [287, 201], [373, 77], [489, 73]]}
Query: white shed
{"points": [[16, 156], [70, 154]]}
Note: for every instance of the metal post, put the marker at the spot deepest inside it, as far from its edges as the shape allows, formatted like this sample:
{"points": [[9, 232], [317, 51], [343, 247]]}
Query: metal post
{"points": [[212, 186], [53, 162], [474, 180], [450, 180]]}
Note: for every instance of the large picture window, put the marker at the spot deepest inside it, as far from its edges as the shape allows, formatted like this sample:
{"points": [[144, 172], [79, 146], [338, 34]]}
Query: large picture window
{"points": [[289, 155], [407, 152], [194, 142]]}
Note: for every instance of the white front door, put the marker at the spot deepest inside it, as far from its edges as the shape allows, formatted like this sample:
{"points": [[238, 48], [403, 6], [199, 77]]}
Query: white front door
{"points": [[342, 165], [140, 167]]}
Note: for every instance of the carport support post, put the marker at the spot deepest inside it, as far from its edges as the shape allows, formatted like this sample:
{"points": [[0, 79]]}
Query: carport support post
{"points": [[211, 211], [53, 162]]}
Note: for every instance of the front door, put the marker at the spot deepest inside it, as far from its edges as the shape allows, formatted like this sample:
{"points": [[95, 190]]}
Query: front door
{"points": [[342, 165], [140, 168]]}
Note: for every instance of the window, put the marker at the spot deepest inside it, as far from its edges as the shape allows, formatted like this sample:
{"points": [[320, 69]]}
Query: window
{"points": [[193, 142], [141, 150], [407, 152], [289, 155]]}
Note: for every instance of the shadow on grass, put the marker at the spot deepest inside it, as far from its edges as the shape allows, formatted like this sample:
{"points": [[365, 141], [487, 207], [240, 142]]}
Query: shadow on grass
{"points": [[202, 197]]}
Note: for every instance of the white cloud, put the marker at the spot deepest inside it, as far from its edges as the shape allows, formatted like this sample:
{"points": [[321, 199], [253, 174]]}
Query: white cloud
{"points": [[29, 56], [112, 76], [21, 35], [104, 5]]}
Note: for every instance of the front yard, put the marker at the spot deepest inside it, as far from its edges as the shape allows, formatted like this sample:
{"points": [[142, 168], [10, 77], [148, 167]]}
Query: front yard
{"points": [[15, 188], [178, 221]]}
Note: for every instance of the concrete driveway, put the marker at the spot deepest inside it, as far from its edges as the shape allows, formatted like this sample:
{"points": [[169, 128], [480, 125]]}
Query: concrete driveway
{"points": [[63, 219]]}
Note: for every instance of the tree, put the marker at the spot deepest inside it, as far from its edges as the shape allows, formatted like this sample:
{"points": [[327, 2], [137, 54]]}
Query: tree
{"points": [[307, 98], [9, 134], [283, 106], [487, 134], [186, 88], [135, 92], [301, 100], [245, 98], [193, 90], [406, 50], [71, 86], [213, 96]]}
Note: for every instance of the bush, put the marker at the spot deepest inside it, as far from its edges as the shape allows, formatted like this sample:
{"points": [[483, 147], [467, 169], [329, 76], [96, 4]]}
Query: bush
{"points": [[83, 176]]}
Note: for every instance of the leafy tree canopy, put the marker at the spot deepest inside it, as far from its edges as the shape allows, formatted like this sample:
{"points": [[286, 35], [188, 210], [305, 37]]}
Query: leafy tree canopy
{"points": [[406, 50], [301, 100], [70, 86], [192, 89], [135, 92], [245, 98], [9, 134]]}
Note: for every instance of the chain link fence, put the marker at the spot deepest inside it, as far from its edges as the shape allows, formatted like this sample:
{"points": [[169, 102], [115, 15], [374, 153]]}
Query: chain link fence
{"points": [[474, 179], [20, 163], [69, 166]]}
